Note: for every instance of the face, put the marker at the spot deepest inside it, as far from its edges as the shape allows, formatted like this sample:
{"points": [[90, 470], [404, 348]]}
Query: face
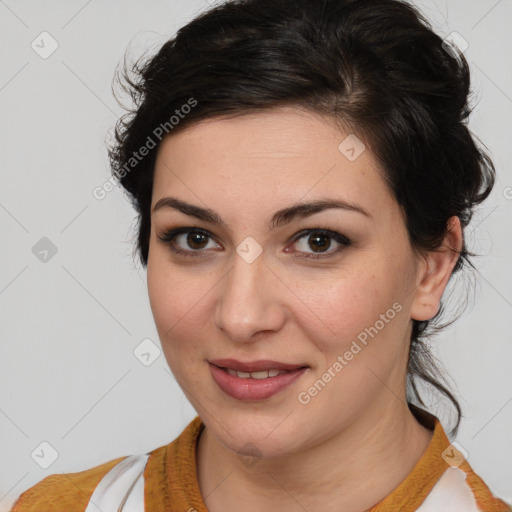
{"points": [[323, 295]]}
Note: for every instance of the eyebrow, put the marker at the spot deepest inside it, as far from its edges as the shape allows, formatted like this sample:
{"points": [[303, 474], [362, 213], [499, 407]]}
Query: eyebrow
{"points": [[281, 217]]}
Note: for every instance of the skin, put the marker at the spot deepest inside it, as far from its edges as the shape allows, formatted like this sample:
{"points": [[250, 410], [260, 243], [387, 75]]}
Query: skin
{"points": [[356, 440]]}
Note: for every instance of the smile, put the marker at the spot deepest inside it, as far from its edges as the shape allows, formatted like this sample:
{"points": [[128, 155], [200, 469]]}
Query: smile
{"points": [[256, 380], [263, 374]]}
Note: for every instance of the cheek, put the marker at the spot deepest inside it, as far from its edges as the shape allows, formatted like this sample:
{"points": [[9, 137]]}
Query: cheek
{"points": [[364, 344], [358, 313], [177, 302]]}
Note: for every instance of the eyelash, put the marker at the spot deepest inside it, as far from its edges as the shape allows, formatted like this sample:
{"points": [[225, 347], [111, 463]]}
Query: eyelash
{"points": [[168, 237]]}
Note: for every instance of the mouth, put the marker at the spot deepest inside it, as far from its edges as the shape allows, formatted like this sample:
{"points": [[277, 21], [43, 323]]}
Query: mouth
{"points": [[263, 374], [260, 369], [254, 380]]}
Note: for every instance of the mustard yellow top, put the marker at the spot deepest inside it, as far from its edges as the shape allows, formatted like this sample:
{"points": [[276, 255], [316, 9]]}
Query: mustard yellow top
{"points": [[171, 484]]}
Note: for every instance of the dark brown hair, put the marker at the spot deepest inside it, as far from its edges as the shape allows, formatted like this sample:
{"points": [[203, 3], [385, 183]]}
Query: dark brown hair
{"points": [[375, 66]]}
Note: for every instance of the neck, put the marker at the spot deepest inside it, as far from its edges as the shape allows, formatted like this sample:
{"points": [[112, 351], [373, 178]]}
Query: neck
{"points": [[351, 471]]}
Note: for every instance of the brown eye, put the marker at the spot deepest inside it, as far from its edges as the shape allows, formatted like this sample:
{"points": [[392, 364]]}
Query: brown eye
{"points": [[313, 243], [319, 241], [187, 241], [195, 238]]}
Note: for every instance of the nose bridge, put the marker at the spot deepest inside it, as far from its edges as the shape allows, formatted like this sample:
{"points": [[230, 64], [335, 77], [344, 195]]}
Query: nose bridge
{"points": [[248, 302]]}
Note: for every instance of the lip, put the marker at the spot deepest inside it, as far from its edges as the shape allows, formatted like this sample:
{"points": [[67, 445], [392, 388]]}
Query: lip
{"points": [[253, 389], [254, 366]]}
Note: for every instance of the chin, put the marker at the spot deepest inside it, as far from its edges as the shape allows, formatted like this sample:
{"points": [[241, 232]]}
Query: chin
{"points": [[264, 435]]}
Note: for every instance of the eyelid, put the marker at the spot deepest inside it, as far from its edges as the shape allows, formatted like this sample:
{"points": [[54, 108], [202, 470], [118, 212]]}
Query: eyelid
{"points": [[168, 236], [340, 239]]}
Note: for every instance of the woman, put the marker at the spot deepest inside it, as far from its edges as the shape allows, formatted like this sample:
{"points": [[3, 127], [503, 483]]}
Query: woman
{"points": [[303, 175]]}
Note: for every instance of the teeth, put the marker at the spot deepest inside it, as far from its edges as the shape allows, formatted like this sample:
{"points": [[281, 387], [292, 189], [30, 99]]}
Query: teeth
{"points": [[259, 375], [263, 374]]}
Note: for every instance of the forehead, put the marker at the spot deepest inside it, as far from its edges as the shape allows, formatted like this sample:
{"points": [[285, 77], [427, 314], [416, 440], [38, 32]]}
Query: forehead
{"points": [[283, 131], [287, 152]]}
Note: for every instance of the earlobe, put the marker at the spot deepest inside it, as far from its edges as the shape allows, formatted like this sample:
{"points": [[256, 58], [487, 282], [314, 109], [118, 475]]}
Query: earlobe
{"points": [[434, 273]]}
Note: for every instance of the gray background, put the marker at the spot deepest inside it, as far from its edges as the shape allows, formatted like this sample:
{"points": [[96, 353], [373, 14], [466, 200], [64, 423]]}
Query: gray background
{"points": [[70, 324]]}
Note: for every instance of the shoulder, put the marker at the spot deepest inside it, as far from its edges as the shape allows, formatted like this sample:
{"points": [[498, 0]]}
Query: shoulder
{"points": [[442, 480], [457, 486], [126, 480], [63, 491], [460, 488]]}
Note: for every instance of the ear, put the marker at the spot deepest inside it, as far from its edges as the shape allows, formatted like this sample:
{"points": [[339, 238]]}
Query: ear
{"points": [[434, 271]]}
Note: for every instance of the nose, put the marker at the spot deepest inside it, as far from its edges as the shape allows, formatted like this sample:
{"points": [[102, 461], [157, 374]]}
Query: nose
{"points": [[249, 301]]}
